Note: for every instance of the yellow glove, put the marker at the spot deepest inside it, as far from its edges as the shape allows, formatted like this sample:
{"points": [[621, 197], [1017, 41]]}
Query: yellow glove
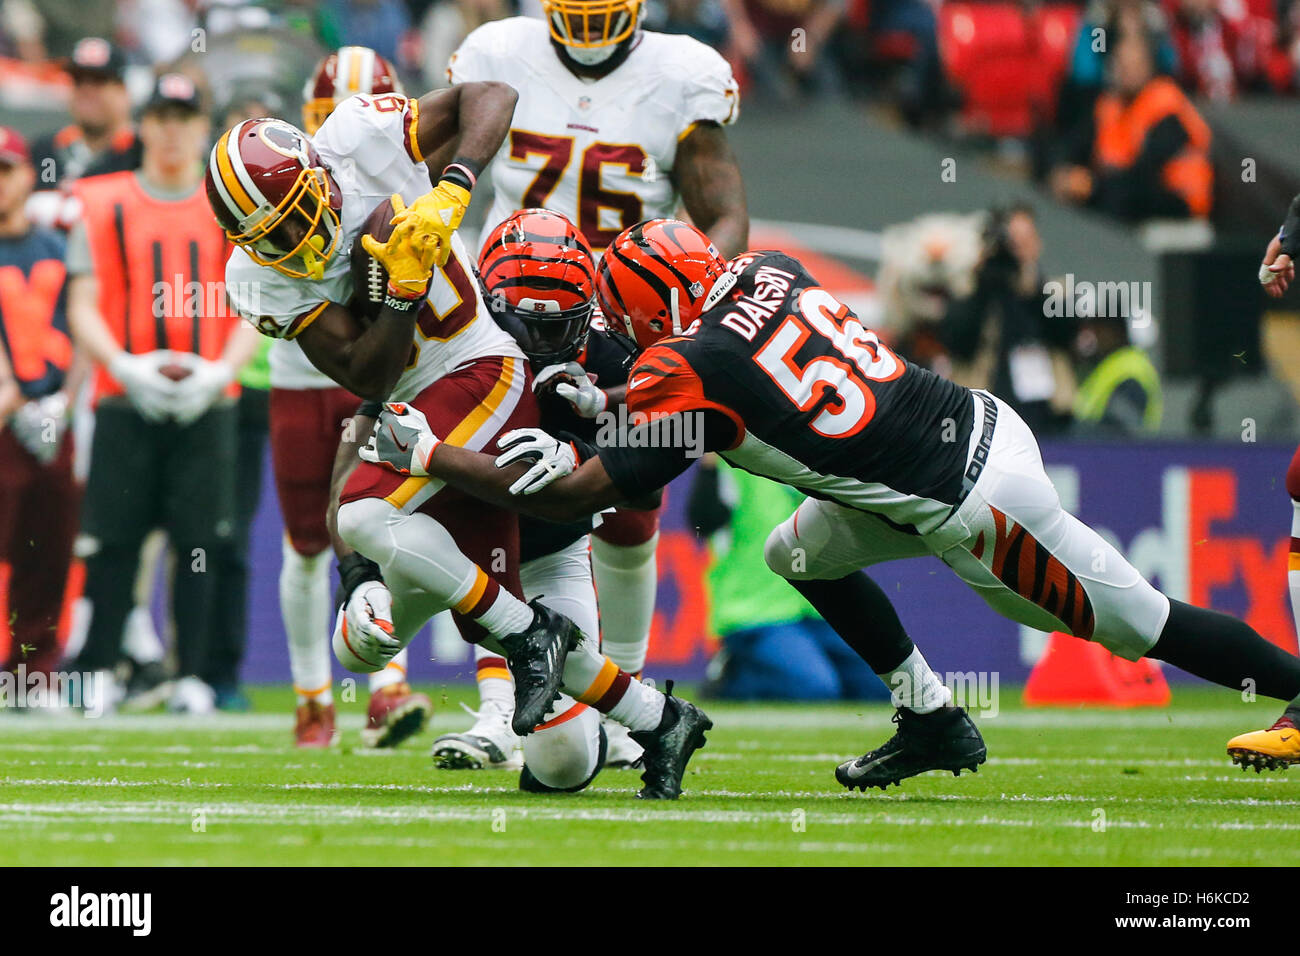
{"points": [[408, 255], [436, 214]]}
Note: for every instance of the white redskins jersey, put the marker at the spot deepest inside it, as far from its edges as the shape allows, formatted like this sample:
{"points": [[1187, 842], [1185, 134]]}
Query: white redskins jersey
{"points": [[369, 148], [599, 151]]}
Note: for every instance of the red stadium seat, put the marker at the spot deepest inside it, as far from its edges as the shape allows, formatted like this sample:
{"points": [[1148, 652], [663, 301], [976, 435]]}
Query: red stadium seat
{"points": [[1007, 63]]}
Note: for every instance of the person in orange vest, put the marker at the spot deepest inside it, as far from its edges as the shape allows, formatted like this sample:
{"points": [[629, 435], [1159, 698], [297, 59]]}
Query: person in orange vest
{"points": [[147, 301], [38, 378], [1144, 152]]}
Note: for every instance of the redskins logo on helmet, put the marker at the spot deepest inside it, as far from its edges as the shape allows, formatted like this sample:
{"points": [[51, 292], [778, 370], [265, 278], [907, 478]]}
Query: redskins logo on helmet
{"points": [[350, 70], [658, 277], [590, 31], [272, 195], [538, 279]]}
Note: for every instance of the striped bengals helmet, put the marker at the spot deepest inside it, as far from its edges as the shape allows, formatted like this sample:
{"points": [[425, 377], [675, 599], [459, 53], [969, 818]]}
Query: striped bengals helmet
{"points": [[538, 279], [657, 277], [350, 70], [272, 195]]}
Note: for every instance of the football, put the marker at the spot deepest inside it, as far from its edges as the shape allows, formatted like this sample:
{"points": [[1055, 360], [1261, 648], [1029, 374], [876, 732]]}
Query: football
{"points": [[369, 277], [176, 371]]}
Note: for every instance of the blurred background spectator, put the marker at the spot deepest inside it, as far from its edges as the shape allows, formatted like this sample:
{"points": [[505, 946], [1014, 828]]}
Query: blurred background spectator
{"points": [[774, 646], [166, 422], [780, 47], [1145, 150], [39, 379], [1119, 392], [1001, 337]]}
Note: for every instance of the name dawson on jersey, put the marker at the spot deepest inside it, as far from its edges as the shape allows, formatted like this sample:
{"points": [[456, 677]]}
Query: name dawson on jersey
{"points": [[751, 312]]}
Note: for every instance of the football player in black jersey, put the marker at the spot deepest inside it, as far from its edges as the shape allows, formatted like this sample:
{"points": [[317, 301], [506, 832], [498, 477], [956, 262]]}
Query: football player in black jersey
{"points": [[538, 277], [784, 381]]}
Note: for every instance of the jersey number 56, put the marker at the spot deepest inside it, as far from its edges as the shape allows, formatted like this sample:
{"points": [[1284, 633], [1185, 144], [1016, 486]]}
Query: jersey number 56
{"points": [[859, 358]]}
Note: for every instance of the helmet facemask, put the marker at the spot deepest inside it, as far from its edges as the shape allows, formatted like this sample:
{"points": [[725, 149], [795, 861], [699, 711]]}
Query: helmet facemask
{"points": [[591, 31], [308, 202]]}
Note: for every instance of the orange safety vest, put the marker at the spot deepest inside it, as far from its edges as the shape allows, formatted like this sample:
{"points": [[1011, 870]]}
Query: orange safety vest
{"points": [[161, 268], [1122, 129]]}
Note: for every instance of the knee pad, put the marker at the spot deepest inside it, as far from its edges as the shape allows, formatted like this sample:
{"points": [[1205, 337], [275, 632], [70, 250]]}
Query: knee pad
{"points": [[793, 547], [565, 756]]}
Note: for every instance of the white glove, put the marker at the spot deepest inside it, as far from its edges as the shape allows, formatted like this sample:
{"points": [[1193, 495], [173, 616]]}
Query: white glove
{"points": [[150, 391], [363, 634], [552, 459], [579, 388], [401, 440], [39, 426], [196, 393]]}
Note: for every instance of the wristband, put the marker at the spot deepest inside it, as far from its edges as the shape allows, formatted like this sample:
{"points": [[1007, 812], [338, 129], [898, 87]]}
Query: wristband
{"points": [[399, 301], [463, 172], [355, 570]]}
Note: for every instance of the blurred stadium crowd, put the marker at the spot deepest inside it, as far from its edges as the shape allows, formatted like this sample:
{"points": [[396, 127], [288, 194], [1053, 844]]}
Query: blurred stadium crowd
{"points": [[1099, 100]]}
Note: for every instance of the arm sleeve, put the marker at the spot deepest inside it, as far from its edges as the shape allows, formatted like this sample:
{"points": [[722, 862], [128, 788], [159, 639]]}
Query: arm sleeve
{"points": [[1291, 229], [648, 456]]}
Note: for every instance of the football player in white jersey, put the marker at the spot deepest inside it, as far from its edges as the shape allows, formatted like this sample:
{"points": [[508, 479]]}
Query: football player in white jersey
{"points": [[309, 410], [294, 208], [614, 125]]}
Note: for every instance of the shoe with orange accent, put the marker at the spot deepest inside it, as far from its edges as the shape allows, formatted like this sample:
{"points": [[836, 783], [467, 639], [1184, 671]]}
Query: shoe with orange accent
{"points": [[314, 727], [1273, 749], [396, 713]]}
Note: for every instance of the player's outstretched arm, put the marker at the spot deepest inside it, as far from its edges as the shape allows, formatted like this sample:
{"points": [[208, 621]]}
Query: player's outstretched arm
{"points": [[464, 122], [712, 188], [367, 363], [1277, 271], [586, 491]]}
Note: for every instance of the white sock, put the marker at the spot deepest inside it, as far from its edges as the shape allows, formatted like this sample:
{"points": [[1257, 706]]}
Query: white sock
{"points": [[913, 685], [495, 685], [594, 679], [626, 579], [393, 673], [305, 608]]}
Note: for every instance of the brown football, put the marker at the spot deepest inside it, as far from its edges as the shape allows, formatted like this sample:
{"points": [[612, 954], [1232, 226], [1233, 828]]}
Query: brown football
{"points": [[369, 277], [175, 371]]}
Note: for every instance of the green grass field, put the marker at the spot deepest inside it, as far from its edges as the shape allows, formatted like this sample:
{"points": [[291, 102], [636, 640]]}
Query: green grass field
{"points": [[152, 789]]}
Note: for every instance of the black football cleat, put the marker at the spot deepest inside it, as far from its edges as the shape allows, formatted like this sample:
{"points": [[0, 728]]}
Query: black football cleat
{"points": [[946, 739], [536, 659], [668, 748]]}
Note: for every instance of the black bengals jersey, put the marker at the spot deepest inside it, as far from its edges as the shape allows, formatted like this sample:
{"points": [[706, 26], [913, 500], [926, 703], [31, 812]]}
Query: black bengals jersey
{"points": [[607, 360], [792, 386]]}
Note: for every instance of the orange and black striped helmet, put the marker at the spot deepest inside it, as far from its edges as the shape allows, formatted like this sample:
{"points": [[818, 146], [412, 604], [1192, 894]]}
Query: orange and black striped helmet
{"points": [[655, 279], [538, 278]]}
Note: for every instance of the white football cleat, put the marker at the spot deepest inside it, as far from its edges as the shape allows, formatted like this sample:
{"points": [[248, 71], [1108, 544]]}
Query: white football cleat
{"points": [[192, 696], [623, 751], [489, 745]]}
